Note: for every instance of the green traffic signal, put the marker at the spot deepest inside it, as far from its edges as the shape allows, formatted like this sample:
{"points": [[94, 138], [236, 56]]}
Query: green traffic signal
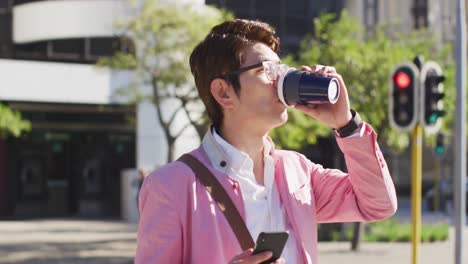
{"points": [[440, 150], [433, 93], [433, 118], [439, 144]]}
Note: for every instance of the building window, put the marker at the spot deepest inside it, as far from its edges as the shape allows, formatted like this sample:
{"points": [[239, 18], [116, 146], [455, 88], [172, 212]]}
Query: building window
{"points": [[298, 8], [419, 11], [19, 2], [5, 35], [78, 50], [66, 49], [5, 5], [37, 50], [371, 14], [107, 46]]}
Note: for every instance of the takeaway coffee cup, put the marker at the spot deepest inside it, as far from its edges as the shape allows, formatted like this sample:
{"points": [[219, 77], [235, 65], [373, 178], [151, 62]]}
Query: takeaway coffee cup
{"points": [[299, 87]]}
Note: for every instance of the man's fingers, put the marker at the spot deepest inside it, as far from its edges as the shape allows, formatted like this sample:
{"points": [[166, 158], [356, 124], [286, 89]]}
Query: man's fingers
{"points": [[319, 69], [243, 255], [280, 261], [246, 257], [316, 68], [330, 69], [306, 68], [260, 257]]}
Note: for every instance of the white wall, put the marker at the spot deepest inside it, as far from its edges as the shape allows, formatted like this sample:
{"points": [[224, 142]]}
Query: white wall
{"points": [[47, 20], [34, 81], [151, 141]]}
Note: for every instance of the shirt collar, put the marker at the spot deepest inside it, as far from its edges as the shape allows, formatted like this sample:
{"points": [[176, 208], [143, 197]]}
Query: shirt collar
{"points": [[223, 156], [239, 158]]}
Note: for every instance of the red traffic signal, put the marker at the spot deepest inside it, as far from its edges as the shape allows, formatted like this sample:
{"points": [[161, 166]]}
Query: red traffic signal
{"points": [[404, 96], [402, 79]]}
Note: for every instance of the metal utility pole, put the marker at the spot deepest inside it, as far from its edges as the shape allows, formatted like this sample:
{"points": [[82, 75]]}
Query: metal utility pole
{"points": [[416, 186], [460, 133]]}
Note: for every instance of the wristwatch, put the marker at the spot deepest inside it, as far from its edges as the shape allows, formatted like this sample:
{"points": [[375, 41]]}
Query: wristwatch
{"points": [[351, 127]]}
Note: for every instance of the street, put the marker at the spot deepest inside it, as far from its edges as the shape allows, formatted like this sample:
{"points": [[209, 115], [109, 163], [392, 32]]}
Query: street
{"points": [[113, 242]]}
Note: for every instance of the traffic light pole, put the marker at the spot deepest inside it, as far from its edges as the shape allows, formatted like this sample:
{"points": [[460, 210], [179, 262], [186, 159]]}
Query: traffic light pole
{"points": [[437, 176], [460, 132], [416, 186]]}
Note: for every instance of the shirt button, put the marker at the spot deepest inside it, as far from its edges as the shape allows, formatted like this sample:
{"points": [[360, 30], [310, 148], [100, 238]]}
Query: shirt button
{"points": [[222, 163], [235, 185]]}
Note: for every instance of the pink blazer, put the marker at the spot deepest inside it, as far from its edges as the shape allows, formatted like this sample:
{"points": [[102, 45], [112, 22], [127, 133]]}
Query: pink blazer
{"points": [[180, 223]]}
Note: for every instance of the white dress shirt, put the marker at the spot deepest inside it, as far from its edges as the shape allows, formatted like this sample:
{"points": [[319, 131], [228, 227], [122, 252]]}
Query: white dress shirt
{"points": [[263, 209]]}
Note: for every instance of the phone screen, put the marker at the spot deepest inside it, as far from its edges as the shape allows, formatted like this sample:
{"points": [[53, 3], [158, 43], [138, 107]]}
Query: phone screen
{"points": [[272, 241]]}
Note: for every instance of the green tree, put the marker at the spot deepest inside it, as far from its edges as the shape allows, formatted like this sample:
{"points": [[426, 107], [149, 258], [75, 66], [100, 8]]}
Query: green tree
{"points": [[164, 35], [364, 60], [11, 122]]}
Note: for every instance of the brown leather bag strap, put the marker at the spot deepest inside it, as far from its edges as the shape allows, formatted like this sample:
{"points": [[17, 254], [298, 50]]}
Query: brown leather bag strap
{"points": [[223, 200]]}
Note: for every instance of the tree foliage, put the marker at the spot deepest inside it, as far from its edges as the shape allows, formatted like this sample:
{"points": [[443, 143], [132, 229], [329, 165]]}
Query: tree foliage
{"points": [[365, 61], [164, 35], [11, 123]]}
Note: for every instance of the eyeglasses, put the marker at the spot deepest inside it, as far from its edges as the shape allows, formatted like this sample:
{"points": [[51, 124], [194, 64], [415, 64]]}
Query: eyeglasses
{"points": [[272, 69]]}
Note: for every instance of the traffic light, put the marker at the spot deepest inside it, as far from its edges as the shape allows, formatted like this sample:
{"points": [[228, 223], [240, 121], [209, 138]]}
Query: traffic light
{"points": [[440, 144], [403, 97], [432, 95]]}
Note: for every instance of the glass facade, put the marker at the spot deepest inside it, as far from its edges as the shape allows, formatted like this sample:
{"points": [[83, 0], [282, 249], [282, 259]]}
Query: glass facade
{"points": [[80, 50], [292, 20], [69, 164]]}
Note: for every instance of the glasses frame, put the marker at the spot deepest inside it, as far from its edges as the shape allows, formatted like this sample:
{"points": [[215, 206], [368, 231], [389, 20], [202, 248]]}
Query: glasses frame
{"points": [[247, 68], [256, 65]]}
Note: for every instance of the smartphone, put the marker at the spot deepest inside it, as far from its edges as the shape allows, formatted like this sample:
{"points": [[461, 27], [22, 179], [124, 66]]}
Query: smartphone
{"points": [[271, 241]]}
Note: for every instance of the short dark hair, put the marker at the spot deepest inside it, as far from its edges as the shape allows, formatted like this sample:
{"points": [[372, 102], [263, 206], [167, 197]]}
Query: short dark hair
{"points": [[221, 52]]}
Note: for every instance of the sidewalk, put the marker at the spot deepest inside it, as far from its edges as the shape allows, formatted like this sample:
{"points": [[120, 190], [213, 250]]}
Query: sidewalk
{"points": [[391, 253], [401, 253], [67, 241], [112, 242]]}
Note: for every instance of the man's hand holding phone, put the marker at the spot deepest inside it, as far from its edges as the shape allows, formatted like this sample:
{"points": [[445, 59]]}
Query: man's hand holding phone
{"points": [[246, 257], [268, 249]]}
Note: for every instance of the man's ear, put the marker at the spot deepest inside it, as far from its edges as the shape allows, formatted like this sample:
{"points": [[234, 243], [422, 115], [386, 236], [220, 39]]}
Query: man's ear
{"points": [[223, 93]]}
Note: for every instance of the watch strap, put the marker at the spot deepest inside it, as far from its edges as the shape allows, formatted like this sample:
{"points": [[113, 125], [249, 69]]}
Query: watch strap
{"points": [[352, 125]]}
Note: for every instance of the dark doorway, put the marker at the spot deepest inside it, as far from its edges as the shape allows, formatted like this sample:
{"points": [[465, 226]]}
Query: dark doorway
{"points": [[70, 163]]}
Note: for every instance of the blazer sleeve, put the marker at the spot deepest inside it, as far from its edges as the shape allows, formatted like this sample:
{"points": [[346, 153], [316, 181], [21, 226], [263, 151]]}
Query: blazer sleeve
{"points": [[365, 193], [159, 238]]}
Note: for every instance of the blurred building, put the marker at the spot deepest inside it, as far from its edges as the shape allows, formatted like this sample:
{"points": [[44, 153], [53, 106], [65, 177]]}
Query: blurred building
{"points": [[291, 19], [81, 138], [436, 15], [83, 133]]}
